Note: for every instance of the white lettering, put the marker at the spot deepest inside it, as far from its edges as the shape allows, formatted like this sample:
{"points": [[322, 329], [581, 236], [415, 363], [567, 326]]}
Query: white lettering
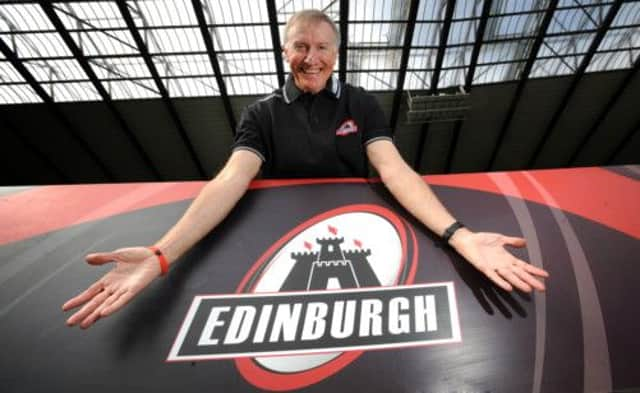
{"points": [[343, 321], [399, 323], [314, 323], [370, 319], [425, 311], [286, 322], [212, 322], [240, 326]]}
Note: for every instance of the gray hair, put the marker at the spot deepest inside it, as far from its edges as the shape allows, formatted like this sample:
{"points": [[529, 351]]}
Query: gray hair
{"points": [[310, 16]]}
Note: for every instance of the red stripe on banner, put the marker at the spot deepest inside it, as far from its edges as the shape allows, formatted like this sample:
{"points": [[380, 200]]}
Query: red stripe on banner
{"points": [[44, 209], [594, 193]]}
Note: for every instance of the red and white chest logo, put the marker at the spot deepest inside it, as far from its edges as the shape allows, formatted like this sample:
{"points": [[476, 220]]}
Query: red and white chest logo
{"points": [[347, 127], [331, 288]]}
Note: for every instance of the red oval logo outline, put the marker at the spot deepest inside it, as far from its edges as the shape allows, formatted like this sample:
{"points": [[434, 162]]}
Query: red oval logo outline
{"points": [[266, 379]]}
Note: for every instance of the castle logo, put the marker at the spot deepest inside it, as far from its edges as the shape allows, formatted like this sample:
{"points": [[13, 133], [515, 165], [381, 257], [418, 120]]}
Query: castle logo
{"points": [[333, 287]]}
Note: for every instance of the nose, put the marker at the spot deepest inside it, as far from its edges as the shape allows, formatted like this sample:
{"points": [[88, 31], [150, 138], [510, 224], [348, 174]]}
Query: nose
{"points": [[311, 54]]}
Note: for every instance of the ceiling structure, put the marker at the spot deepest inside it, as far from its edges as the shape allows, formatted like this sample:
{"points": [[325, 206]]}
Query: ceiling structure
{"points": [[116, 53]]}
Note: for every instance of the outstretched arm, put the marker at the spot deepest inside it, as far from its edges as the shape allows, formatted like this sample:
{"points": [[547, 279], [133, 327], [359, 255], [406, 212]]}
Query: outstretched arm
{"points": [[483, 250], [136, 267]]}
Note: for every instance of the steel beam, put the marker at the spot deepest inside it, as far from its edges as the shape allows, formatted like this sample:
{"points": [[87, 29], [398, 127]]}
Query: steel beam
{"points": [[275, 40], [468, 82], [106, 98], [404, 61], [213, 58], [144, 52], [55, 110], [577, 77], [605, 112], [344, 39], [535, 48]]}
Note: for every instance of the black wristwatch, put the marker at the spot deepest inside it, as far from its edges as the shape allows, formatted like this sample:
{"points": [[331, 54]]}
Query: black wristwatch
{"points": [[451, 230]]}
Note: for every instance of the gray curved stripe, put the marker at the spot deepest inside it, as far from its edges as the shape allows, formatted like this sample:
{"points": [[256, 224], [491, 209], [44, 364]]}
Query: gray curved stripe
{"points": [[525, 221], [59, 239], [597, 369]]}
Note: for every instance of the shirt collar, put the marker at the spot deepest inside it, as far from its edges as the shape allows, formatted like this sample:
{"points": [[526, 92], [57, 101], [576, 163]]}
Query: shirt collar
{"points": [[292, 92]]}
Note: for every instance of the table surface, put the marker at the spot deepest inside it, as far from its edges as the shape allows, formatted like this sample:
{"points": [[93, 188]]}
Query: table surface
{"points": [[581, 224]]}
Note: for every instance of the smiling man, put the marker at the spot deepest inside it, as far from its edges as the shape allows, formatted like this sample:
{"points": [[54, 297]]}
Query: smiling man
{"points": [[313, 126]]}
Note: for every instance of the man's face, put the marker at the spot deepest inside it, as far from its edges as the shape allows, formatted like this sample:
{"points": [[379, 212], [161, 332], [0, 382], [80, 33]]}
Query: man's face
{"points": [[311, 53]]}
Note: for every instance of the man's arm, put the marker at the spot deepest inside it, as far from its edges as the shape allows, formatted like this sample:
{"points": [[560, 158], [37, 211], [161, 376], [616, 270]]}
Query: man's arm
{"points": [[485, 251], [136, 267]]}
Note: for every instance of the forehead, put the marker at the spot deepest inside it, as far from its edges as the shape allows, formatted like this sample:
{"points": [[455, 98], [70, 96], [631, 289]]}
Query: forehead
{"points": [[312, 30]]}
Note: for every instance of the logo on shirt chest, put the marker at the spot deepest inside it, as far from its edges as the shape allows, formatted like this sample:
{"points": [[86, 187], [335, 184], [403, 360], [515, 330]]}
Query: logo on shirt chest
{"points": [[347, 127]]}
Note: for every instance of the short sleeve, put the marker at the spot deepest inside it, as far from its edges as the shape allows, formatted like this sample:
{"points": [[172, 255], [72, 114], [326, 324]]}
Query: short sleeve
{"points": [[248, 133], [376, 125]]}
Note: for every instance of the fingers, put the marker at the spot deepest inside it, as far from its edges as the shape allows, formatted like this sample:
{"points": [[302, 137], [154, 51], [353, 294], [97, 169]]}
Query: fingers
{"points": [[499, 281], [535, 271], [88, 308], [82, 298], [513, 278], [514, 241], [101, 258], [117, 304]]}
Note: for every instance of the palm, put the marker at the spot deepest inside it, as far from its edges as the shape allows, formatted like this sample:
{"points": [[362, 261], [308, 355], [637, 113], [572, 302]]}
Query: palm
{"points": [[486, 251], [134, 269]]}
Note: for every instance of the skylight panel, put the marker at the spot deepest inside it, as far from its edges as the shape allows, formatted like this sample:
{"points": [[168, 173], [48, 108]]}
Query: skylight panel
{"points": [[192, 87], [183, 65], [373, 81], [162, 12], [90, 15], [239, 11], [241, 38], [376, 34], [8, 73], [629, 14], [251, 85], [37, 45], [108, 42], [462, 32], [497, 72], [375, 59], [55, 70], [422, 59], [74, 91], [131, 89], [417, 80], [175, 40], [120, 67], [18, 94], [286, 8], [238, 63], [24, 17], [426, 34]]}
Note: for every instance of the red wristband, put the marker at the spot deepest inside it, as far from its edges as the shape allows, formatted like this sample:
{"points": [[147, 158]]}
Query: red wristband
{"points": [[164, 264]]}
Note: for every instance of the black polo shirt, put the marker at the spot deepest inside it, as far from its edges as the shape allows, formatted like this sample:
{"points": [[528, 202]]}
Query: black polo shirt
{"points": [[299, 134]]}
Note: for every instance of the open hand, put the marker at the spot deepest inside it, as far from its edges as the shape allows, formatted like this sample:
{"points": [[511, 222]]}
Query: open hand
{"points": [[486, 251], [134, 269]]}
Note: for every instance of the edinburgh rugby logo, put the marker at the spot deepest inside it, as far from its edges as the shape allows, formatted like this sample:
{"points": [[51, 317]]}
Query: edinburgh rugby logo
{"points": [[333, 287]]}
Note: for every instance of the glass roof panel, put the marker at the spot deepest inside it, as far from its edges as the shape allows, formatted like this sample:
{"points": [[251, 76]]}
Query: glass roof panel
{"points": [[431, 11], [373, 80], [238, 11], [18, 94], [620, 39], [239, 63], [568, 44], [24, 17], [109, 42], [496, 73], [250, 85], [629, 14], [183, 65], [420, 59], [505, 27], [463, 32], [555, 66], [510, 7], [452, 77], [417, 80], [286, 8], [457, 56], [575, 20], [375, 59], [120, 67], [507, 50], [376, 34], [174, 40], [90, 15], [613, 60], [467, 9], [162, 12], [426, 34], [191, 87], [8, 73], [36, 45], [128, 89], [74, 91], [55, 70], [241, 38]]}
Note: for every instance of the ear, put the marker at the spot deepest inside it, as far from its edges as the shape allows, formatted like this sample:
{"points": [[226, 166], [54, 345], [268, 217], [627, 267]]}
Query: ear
{"points": [[284, 53]]}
